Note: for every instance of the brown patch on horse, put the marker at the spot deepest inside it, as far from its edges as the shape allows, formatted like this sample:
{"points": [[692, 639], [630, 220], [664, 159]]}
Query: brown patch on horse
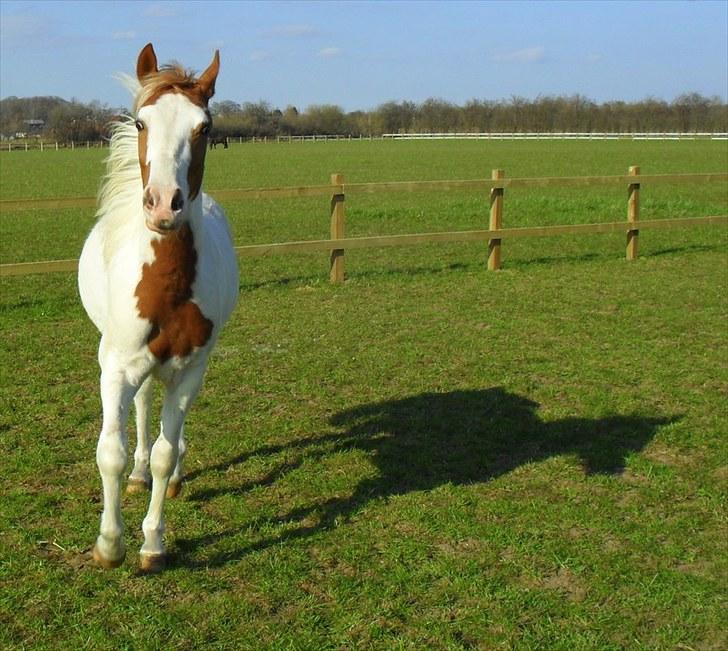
{"points": [[198, 147], [163, 297], [143, 164]]}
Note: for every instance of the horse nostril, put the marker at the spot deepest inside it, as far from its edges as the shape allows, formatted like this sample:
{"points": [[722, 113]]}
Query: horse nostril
{"points": [[178, 200], [148, 200]]}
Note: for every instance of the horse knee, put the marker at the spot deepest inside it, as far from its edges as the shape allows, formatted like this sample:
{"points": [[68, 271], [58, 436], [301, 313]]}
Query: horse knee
{"points": [[111, 454], [163, 458]]}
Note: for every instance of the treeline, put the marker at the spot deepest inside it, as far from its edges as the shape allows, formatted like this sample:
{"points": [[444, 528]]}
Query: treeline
{"points": [[62, 120], [55, 118], [687, 113]]}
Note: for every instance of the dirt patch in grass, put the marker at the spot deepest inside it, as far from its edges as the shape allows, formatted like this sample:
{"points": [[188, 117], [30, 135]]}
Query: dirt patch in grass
{"points": [[563, 581]]}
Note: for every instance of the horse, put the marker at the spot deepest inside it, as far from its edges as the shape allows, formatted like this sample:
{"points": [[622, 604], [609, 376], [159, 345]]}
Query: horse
{"points": [[215, 141], [158, 277]]}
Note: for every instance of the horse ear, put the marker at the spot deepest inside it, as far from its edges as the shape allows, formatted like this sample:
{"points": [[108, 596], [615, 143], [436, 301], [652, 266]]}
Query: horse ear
{"points": [[207, 78], [147, 62]]}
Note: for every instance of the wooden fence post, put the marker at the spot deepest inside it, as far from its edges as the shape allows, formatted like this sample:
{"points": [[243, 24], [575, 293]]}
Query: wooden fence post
{"points": [[496, 222], [336, 272], [633, 214]]}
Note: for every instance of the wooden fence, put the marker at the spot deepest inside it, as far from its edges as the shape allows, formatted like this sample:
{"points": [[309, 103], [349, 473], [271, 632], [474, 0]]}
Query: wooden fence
{"points": [[337, 191], [42, 145]]}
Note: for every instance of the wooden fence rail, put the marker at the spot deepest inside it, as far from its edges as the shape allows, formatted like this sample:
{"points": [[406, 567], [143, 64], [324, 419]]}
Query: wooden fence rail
{"points": [[337, 190], [485, 185]]}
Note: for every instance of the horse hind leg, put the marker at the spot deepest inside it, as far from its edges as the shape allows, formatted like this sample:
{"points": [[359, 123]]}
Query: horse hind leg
{"points": [[140, 478], [175, 481]]}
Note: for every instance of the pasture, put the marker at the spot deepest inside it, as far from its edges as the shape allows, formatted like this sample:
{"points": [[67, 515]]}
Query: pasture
{"points": [[430, 456]]}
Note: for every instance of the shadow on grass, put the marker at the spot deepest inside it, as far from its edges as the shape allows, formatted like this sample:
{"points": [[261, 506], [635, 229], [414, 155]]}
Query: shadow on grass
{"points": [[518, 263], [313, 279], [419, 443]]}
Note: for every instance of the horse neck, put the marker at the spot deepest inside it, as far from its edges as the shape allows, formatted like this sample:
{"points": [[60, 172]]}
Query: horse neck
{"points": [[124, 229], [195, 219]]}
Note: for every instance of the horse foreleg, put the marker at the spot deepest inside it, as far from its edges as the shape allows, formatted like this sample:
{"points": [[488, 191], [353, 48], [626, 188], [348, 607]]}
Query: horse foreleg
{"points": [[111, 453], [140, 478], [164, 460]]}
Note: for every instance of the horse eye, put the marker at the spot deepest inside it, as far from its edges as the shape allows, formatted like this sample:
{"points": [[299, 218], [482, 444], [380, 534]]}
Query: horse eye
{"points": [[205, 128], [139, 125]]}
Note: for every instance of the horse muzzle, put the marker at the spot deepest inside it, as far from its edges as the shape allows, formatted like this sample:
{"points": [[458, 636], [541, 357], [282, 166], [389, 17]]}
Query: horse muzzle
{"points": [[162, 209]]}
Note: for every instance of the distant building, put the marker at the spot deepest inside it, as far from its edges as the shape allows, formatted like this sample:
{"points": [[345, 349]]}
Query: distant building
{"points": [[34, 126]]}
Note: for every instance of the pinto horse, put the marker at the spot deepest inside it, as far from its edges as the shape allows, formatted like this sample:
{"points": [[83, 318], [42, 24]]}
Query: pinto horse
{"points": [[158, 277]]}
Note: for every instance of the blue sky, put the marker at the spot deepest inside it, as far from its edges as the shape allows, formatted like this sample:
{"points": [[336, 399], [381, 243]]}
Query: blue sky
{"points": [[361, 54]]}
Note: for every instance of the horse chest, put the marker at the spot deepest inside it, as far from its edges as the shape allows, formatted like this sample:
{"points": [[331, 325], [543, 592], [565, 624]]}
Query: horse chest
{"points": [[164, 298]]}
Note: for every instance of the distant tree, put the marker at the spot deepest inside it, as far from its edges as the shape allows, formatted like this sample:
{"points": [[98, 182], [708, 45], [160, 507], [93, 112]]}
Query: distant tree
{"points": [[325, 119], [224, 108], [394, 117], [437, 115], [360, 123], [78, 122], [256, 118], [478, 115], [289, 121], [692, 111]]}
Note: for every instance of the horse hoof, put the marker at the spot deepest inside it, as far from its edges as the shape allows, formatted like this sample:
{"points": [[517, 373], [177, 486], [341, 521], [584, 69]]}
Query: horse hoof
{"points": [[174, 488], [152, 563], [106, 563], [136, 486]]}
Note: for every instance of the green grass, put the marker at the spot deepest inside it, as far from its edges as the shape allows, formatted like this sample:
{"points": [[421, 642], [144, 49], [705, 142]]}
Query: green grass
{"points": [[430, 456], [77, 173]]}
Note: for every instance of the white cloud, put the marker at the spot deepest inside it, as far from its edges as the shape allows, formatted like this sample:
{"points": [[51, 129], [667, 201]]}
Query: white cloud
{"points": [[329, 52], [259, 55], [123, 36], [526, 55], [159, 10]]}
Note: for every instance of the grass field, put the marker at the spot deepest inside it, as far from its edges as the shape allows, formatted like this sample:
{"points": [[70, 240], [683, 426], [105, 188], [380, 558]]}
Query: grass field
{"points": [[429, 456]]}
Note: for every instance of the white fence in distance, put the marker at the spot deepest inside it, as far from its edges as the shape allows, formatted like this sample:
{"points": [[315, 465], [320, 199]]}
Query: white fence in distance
{"points": [[27, 145], [566, 135]]}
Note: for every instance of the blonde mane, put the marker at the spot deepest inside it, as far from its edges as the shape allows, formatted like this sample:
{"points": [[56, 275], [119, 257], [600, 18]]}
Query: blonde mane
{"points": [[120, 195], [169, 78]]}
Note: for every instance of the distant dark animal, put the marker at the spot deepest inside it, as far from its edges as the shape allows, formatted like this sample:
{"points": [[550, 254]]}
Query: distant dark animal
{"points": [[214, 142]]}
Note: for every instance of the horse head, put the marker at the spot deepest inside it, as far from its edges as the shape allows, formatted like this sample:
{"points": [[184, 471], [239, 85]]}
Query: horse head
{"points": [[173, 121]]}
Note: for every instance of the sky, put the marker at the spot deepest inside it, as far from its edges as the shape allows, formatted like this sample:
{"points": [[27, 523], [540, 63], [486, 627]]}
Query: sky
{"points": [[359, 55]]}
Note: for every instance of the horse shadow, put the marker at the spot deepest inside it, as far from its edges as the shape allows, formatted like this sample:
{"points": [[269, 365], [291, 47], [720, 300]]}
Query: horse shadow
{"points": [[422, 442]]}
